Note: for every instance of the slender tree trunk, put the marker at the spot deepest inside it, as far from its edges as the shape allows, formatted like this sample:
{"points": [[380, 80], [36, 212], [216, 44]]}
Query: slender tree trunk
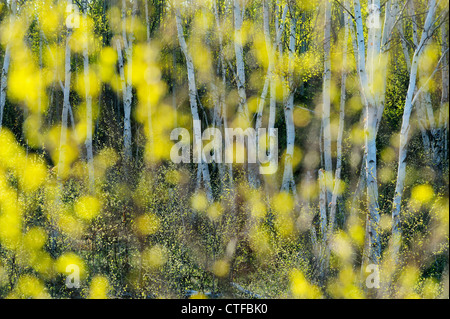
{"points": [[5, 68], [240, 68], [390, 18], [202, 166], [337, 182], [147, 20], [89, 121], [127, 89], [40, 80], [421, 111], [423, 126], [222, 93], [322, 207], [272, 51], [337, 175], [288, 175], [405, 128], [326, 103], [373, 238], [62, 169], [322, 250], [149, 106], [443, 111], [4, 82]]}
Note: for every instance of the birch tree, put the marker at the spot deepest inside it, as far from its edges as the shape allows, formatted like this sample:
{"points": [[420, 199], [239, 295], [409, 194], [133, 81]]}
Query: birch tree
{"points": [[62, 169], [443, 110], [222, 107], [149, 106], [370, 136], [404, 132], [337, 175], [6, 62], [240, 67], [424, 109]]}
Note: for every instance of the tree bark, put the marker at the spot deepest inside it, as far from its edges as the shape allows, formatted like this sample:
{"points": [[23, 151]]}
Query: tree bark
{"points": [[288, 182], [127, 89], [65, 112], [443, 111], [240, 68], [5, 68], [89, 122], [326, 102], [337, 176]]}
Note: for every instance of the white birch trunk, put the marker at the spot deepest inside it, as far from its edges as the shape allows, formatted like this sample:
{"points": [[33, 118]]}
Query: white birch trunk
{"points": [[422, 121], [279, 29], [337, 176], [322, 207], [40, 79], [65, 111], [202, 166], [147, 20], [370, 126], [405, 127], [149, 107], [5, 68], [390, 19], [4, 81], [262, 100], [443, 111], [89, 122], [240, 68], [288, 182], [326, 102], [421, 115]]}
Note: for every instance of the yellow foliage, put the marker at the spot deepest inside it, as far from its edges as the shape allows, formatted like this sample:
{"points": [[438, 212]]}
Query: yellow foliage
{"points": [[35, 238], [70, 225], [341, 246], [198, 295], [199, 201], [154, 258], [87, 207], [147, 224], [88, 83], [221, 268], [99, 288], [83, 35], [283, 203], [357, 234], [260, 242], [70, 259], [422, 193], [215, 211], [29, 287], [32, 174], [302, 117], [258, 208]]}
